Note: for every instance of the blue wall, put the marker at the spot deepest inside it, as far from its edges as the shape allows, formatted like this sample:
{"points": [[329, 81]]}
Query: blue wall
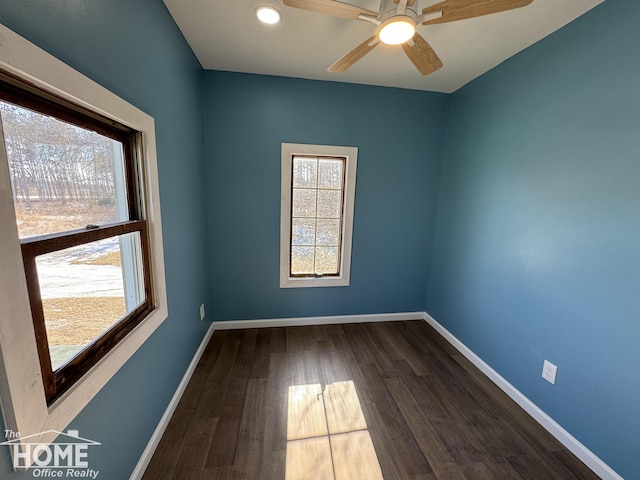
{"points": [[537, 253], [135, 50], [400, 137]]}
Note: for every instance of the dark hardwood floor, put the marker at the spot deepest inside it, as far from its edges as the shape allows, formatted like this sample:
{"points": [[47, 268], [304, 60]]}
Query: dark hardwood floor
{"points": [[429, 413]]}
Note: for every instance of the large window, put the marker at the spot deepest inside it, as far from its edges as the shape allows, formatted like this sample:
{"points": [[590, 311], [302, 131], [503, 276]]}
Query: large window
{"points": [[318, 184], [81, 260], [82, 228]]}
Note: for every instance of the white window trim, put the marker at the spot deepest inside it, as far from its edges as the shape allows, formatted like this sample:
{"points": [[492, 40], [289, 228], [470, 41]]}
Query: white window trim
{"points": [[288, 151], [24, 405]]}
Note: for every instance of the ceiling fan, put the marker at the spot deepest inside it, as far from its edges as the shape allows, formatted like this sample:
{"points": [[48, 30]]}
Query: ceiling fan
{"points": [[397, 21]]}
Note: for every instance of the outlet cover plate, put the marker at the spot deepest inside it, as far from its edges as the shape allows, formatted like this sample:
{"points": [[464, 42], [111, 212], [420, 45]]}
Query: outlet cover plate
{"points": [[549, 372]]}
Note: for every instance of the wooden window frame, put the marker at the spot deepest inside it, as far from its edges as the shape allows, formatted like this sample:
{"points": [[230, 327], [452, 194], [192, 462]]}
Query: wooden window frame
{"points": [[56, 382], [288, 152], [25, 408]]}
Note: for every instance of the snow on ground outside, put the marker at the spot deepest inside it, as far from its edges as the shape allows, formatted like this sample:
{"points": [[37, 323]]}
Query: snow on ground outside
{"points": [[59, 278]]}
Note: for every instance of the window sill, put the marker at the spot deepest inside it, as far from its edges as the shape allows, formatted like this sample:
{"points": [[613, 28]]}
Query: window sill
{"points": [[302, 282]]}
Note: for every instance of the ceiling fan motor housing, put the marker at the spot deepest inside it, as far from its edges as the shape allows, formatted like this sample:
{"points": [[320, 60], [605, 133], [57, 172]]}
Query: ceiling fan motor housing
{"points": [[390, 10]]}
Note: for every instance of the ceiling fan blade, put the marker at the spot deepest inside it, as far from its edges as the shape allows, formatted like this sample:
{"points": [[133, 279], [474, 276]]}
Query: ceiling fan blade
{"points": [[354, 55], [453, 10], [332, 7], [422, 55]]}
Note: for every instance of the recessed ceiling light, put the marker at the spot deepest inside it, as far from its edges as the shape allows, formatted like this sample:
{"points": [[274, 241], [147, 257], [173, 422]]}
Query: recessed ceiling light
{"points": [[268, 14]]}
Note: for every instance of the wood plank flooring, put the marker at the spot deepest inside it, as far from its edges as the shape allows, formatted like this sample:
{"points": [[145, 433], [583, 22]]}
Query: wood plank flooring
{"points": [[347, 402]]}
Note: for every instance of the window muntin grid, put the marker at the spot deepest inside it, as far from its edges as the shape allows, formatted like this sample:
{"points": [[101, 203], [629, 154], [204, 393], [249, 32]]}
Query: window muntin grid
{"points": [[317, 209]]}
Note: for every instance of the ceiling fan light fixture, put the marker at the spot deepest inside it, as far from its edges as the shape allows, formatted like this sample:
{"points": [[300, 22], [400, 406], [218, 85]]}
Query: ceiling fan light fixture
{"points": [[268, 15], [397, 30]]}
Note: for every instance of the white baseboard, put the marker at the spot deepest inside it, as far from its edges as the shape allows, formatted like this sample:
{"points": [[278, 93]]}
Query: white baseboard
{"points": [[329, 320], [578, 449], [150, 449]]}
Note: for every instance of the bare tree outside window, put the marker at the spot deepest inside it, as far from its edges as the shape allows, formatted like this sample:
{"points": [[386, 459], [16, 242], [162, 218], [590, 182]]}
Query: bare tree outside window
{"points": [[62, 176]]}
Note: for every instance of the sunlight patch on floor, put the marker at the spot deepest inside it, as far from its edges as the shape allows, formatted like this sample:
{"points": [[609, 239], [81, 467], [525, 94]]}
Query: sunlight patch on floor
{"points": [[327, 436]]}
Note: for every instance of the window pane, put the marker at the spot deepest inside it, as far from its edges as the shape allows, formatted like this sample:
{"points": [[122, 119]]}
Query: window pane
{"points": [[86, 289], [330, 173], [302, 260], [305, 172], [326, 261], [303, 231], [316, 215], [304, 203], [63, 177], [329, 203], [328, 232]]}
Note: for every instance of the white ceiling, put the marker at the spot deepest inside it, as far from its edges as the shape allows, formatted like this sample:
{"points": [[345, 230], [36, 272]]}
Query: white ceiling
{"points": [[225, 35]]}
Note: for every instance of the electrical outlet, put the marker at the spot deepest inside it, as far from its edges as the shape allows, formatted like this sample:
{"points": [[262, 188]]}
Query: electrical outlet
{"points": [[202, 312], [549, 372]]}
